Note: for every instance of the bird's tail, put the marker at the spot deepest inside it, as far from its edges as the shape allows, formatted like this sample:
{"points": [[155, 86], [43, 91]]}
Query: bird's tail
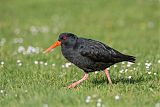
{"points": [[129, 58]]}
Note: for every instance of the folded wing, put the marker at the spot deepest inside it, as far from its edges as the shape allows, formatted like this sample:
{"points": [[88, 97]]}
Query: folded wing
{"points": [[100, 52]]}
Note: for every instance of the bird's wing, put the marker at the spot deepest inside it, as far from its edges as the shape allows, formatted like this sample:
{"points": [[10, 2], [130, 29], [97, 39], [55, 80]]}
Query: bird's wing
{"points": [[98, 51]]}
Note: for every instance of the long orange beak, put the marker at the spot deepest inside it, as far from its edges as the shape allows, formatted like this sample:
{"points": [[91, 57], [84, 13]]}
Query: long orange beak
{"points": [[53, 46]]}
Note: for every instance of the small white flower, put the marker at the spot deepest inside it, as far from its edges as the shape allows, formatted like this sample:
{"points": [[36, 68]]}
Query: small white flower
{"points": [[155, 73], [149, 72], [2, 63], [99, 100], [96, 72], [108, 68], [46, 64], [123, 63], [36, 62], [19, 64], [68, 65], [88, 98], [148, 64], [126, 70], [129, 77], [21, 49], [121, 71], [53, 65], [115, 66], [128, 65], [98, 104], [18, 61], [1, 91], [159, 61], [147, 67], [139, 64], [117, 97], [134, 68], [31, 50], [63, 66]]}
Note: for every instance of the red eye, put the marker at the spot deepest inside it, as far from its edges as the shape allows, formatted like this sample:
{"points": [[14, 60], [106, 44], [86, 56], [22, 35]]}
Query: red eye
{"points": [[64, 37]]}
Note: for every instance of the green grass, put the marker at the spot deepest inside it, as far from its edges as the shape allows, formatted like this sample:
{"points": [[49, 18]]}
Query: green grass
{"points": [[131, 27]]}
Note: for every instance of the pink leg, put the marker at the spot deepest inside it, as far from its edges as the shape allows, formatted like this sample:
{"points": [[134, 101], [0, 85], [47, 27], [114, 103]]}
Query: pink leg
{"points": [[78, 82], [108, 76]]}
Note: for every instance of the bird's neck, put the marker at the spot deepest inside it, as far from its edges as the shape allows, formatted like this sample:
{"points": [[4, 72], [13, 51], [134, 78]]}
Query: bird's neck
{"points": [[69, 44]]}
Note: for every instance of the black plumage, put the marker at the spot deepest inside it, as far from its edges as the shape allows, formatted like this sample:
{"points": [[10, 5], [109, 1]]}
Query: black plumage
{"points": [[90, 55]]}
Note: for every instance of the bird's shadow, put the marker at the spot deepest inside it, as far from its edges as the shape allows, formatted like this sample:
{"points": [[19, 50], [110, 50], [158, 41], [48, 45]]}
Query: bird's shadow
{"points": [[119, 80]]}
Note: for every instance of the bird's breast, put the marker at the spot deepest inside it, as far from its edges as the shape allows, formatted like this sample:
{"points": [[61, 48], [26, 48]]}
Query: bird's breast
{"points": [[76, 58], [68, 53]]}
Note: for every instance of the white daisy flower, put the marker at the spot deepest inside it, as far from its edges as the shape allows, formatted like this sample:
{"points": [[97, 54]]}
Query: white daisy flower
{"points": [[46, 64], [123, 63], [18, 61], [63, 66], [53, 65], [21, 49], [19, 64], [36, 62], [129, 77], [99, 100], [117, 97], [1, 91], [121, 71], [96, 72], [88, 99], [115, 66], [2, 63], [155, 73], [98, 104]]}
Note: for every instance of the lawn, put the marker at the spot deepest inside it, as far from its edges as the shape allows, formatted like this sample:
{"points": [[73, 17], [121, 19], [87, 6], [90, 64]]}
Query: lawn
{"points": [[29, 78]]}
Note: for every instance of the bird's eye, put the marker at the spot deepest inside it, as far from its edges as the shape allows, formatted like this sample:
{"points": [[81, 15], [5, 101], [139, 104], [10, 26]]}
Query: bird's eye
{"points": [[64, 37]]}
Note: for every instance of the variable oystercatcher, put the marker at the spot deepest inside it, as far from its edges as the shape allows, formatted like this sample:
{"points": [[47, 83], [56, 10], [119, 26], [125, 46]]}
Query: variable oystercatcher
{"points": [[89, 55]]}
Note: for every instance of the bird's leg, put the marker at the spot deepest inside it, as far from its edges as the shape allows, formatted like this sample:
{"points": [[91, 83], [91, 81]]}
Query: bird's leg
{"points": [[78, 82], [108, 76]]}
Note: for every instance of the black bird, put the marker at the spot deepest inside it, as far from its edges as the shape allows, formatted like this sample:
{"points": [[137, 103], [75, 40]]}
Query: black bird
{"points": [[89, 55]]}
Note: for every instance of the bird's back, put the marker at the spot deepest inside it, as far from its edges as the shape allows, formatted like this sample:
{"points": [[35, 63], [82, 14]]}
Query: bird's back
{"points": [[91, 55]]}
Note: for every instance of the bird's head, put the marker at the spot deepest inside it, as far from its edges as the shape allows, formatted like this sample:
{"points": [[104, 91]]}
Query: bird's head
{"points": [[65, 39]]}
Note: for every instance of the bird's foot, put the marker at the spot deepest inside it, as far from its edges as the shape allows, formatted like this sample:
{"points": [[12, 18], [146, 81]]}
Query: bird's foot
{"points": [[72, 85], [110, 82]]}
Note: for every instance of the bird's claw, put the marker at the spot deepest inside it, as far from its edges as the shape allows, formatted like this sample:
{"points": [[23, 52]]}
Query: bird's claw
{"points": [[72, 85]]}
